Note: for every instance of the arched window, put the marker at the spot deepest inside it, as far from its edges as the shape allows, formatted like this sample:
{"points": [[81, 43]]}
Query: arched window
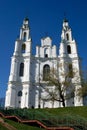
{"points": [[46, 72], [24, 38], [46, 52], [67, 36], [70, 71], [19, 93], [23, 48], [21, 71], [68, 49]]}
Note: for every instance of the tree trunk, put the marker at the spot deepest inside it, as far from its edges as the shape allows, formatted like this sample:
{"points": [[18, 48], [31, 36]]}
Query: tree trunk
{"points": [[63, 100]]}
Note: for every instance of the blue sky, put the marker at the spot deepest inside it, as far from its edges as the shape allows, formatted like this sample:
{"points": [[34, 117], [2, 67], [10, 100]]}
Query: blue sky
{"points": [[45, 18]]}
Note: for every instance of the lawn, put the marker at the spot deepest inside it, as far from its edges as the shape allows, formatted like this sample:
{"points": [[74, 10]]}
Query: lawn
{"points": [[71, 111]]}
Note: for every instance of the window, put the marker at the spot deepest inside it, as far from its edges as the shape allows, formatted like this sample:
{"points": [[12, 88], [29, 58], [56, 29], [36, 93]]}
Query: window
{"points": [[24, 36], [19, 93], [19, 102], [23, 48], [67, 36], [46, 52], [46, 55], [68, 49], [70, 71], [21, 71], [46, 72]]}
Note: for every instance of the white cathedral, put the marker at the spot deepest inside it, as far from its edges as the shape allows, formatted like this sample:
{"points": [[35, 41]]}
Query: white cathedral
{"points": [[29, 71]]}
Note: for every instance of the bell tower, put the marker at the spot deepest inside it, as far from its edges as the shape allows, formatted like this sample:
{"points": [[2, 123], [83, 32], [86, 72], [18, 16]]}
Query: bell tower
{"points": [[68, 45], [70, 60], [17, 94]]}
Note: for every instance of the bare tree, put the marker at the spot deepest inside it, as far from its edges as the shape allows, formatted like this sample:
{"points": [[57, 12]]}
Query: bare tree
{"points": [[61, 88]]}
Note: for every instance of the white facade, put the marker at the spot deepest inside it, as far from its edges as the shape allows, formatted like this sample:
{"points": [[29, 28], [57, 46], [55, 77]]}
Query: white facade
{"points": [[26, 81]]}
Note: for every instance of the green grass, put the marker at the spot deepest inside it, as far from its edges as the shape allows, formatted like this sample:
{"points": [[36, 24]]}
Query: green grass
{"points": [[49, 112], [72, 111], [31, 113]]}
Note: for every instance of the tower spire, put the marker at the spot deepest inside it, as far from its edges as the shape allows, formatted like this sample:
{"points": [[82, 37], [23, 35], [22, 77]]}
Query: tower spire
{"points": [[25, 30], [25, 23]]}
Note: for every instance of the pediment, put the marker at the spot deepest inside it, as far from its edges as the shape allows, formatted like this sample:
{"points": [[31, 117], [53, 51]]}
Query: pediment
{"points": [[46, 41]]}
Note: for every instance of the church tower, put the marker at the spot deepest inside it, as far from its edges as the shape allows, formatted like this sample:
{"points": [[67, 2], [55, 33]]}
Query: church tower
{"points": [[70, 61], [17, 94]]}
